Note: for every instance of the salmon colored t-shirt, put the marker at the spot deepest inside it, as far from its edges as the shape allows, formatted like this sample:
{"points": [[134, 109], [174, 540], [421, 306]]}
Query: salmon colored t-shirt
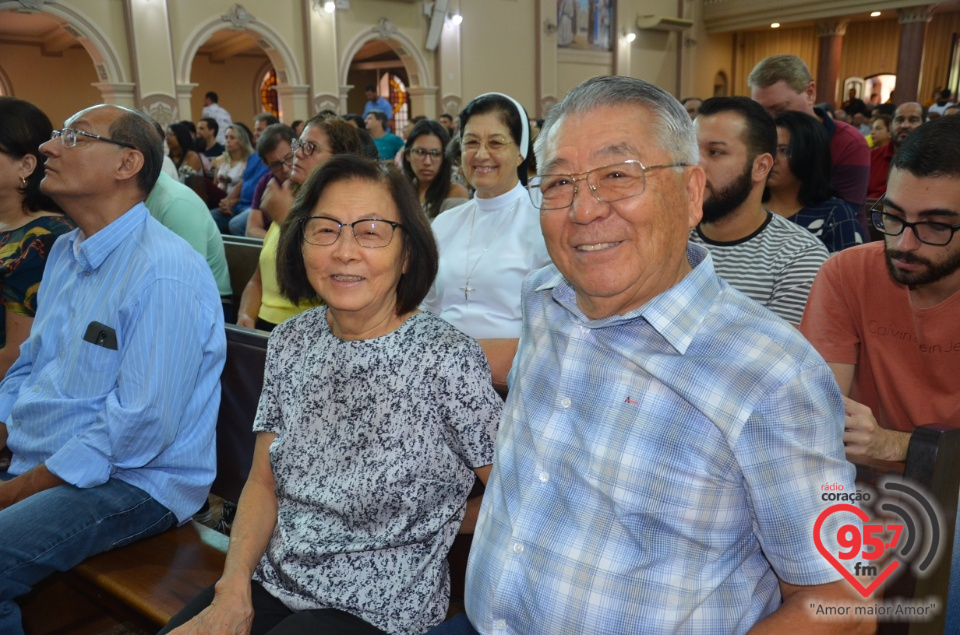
{"points": [[907, 359]]}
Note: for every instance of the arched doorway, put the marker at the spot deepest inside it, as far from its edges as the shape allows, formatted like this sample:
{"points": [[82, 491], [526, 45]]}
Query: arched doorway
{"points": [[385, 51], [59, 60], [376, 64], [234, 53]]}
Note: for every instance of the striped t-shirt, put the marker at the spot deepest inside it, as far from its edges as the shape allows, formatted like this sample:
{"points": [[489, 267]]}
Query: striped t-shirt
{"points": [[774, 265]]}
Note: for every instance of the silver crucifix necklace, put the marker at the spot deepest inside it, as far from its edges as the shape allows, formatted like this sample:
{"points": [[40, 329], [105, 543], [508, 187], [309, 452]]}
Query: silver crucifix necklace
{"points": [[468, 270]]}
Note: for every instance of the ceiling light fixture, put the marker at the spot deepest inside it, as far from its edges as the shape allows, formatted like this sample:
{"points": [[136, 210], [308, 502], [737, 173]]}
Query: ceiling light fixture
{"points": [[775, 25], [875, 14], [329, 6], [456, 19]]}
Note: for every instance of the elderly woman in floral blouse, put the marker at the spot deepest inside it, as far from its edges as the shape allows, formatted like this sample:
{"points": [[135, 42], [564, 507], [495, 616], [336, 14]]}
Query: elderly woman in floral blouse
{"points": [[373, 421]]}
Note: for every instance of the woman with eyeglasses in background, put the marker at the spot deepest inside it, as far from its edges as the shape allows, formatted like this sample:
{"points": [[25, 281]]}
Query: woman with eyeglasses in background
{"points": [[798, 187], [426, 165], [490, 243], [262, 306]]}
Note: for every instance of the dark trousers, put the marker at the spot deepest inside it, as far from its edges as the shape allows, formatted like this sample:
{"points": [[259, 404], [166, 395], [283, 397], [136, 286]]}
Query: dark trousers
{"points": [[271, 616]]}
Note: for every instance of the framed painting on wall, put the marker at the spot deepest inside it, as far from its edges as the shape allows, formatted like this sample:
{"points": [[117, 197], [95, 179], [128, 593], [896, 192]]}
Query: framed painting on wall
{"points": [[585, 24]]}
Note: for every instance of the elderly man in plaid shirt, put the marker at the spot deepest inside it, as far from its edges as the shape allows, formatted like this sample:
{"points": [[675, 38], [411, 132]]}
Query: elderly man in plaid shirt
{"points": [[660, 459]]}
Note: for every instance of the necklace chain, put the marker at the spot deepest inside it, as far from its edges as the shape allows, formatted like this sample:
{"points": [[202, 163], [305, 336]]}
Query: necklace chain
{"points": [[468, 270]]}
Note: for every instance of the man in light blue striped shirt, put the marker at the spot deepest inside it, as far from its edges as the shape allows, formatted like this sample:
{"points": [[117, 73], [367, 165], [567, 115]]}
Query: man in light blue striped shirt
{"points": [[111, 408], [660, 462]]}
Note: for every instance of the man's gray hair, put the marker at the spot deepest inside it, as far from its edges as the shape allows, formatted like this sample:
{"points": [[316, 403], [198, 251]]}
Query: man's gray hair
{"points": [[672, 126]]}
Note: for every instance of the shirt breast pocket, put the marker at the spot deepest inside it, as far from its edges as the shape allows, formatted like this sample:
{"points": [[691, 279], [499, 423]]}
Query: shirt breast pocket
{"points": [[92, 372]]}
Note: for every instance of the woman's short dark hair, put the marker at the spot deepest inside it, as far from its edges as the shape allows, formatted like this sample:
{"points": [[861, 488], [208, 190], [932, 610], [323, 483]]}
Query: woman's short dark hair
{"points": [[419, 246], [438, 189], [809, 156], [24, 128], [513, 120], [887, 121], [342, 136]]}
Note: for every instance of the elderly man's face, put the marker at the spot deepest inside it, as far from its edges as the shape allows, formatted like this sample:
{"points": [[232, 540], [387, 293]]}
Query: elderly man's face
{"points": [[88, 167], [619, 255]]}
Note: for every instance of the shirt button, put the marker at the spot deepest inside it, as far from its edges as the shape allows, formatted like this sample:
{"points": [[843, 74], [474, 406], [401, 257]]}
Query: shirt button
{"points": [[544, 477], [500, 624], [584, 329], [565, 402], [517, 547], [36, 389]]}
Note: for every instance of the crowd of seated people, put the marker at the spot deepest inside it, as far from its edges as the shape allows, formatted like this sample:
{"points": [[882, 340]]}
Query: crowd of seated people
{"points": [[602, 256]]}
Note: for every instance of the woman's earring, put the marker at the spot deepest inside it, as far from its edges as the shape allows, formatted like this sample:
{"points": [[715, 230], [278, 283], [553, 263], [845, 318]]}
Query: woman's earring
{"points": [[23, 184]]}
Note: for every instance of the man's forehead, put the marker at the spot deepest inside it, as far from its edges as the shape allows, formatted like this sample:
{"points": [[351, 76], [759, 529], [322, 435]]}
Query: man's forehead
{"points": [[91, 117], [566, 139], [909, 110]]}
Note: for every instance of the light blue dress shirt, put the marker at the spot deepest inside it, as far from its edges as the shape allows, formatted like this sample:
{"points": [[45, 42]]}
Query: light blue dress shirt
{"points": [[381, 104], [144, 413], [656, 471]]}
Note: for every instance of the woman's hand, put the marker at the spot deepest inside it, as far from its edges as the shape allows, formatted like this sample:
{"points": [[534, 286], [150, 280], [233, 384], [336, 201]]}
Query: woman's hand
{"points": [[246, 321], [228, 614]]}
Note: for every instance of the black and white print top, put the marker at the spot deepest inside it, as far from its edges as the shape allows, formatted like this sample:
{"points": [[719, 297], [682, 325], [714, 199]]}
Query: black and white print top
{"points": [[376, 441]]}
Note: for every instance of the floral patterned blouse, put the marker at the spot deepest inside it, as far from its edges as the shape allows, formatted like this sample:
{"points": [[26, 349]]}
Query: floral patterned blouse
{"points": [[23, 256], [376, 441]]}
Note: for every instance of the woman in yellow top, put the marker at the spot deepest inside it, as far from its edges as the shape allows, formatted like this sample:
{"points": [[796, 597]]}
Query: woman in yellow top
{"points": [[262, 306]]}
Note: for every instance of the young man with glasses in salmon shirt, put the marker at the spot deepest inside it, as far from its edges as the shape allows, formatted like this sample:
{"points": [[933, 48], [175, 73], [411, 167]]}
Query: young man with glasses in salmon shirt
{"points": [[884, 315], [660, 456]]}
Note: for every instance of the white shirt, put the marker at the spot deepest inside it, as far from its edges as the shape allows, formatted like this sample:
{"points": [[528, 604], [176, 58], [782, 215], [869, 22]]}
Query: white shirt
{"points": [[221, 116], [494, 243]]}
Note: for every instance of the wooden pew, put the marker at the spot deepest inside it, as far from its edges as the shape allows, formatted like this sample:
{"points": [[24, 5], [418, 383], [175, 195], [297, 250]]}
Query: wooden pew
{"points": [[933, 462], [243, 256], [147, 582]]}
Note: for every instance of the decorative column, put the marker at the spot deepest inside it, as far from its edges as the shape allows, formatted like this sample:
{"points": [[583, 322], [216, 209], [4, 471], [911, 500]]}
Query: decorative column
{"points": [[423, 99], [828, 69], [913, 34], [547, 76], [294, 101], [119, 93], [449, 80], [323, 61], [151, 59]]}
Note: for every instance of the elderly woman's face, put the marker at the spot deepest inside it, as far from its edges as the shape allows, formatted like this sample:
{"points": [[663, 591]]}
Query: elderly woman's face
{"points": [[314, 150], [490, 155], [357, 281]]}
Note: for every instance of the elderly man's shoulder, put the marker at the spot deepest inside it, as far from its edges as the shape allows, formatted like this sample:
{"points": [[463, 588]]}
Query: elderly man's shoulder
{"points": [[748, 337]]}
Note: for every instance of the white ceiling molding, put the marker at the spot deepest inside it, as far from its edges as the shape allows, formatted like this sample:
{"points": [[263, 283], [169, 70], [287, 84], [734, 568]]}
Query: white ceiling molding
{"points": [[737, 15]]}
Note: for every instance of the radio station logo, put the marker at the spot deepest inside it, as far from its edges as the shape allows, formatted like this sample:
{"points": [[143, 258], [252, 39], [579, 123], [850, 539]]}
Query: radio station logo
{"points": [[906, 532]]}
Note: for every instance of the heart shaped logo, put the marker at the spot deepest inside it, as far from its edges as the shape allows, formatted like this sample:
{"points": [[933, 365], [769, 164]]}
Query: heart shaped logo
{"points": [[862, 515]]}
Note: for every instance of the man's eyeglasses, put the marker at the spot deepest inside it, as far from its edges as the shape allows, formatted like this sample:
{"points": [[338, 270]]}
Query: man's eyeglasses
{"points": [[69, 136], [371, 233], [307, 147], [287, 161], [927, 232], [492, 145], [422, 153], [608, 184]]}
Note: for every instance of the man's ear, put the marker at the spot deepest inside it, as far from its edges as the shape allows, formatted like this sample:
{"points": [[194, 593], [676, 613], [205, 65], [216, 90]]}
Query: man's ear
{"points": [[762, 164], [695, 179], [811, 92], [130, 165]]}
